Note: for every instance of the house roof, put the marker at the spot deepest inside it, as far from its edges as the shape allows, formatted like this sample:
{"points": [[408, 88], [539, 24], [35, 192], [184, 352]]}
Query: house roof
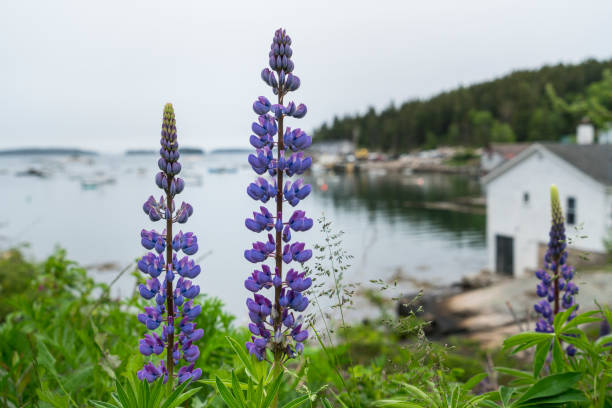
{"points": [[507, 150], [593, 160]]}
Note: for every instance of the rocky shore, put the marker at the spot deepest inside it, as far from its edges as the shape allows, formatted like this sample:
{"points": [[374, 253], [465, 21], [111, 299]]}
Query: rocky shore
{"points": [[488, 309]]}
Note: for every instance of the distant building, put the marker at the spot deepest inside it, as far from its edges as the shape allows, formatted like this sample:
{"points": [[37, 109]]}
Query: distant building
{"points": [[497, 153], [585, 132], [518, 204], [333, 147], [604, 136]]}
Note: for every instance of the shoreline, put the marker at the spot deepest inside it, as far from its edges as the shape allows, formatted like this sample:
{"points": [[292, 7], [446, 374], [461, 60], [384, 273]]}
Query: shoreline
{"points": [[491, 310]]}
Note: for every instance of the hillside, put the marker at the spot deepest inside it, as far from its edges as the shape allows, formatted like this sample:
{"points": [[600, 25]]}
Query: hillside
{"points": [[514, 107]]}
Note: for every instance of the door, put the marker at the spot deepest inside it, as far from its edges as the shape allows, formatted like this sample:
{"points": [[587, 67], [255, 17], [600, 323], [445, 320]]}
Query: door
{"points": [[504, 263]]}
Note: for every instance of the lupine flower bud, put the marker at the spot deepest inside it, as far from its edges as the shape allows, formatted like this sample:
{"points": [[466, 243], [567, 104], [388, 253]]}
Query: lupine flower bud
{"points": [[150, 372], [297, 281], [265, 75], [150, 289], [188, 373], [262, 105], [261, 162], [300, 112], [296, 191], [151, 264], [273, 81], [297, 139], [151, 344]]}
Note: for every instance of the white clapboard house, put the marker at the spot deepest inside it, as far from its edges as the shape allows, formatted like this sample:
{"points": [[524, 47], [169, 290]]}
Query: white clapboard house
{"points": [[518, 204]]}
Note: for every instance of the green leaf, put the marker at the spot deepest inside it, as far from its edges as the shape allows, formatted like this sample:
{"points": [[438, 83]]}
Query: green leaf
{"points": [[505, 393], [471, 383], [102, 404], [45, 358], [326, 403], [603, 340], [122, 396], [183, 397], [154, 394], [297, 402], [474, 401], [539, 358], [244, 358], [556, 400], [561, 318], [250, 391], [227, 383], [396, 403], [488, 404], [79, 378], [173, 399], [582, 319], [57, 401], [417, 393], [131, 395], [580, 342], [524, 341], [236, 387], [550, 386], [514, 372], [272, 391], [226, 394], [558, 356]]}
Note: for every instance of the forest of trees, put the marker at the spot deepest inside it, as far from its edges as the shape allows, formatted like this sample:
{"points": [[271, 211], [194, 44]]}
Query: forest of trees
{"points": [[521, 106]]}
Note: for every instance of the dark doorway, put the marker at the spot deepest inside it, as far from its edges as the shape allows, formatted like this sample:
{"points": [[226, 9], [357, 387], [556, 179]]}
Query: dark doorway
{"points": [[504, 248]]}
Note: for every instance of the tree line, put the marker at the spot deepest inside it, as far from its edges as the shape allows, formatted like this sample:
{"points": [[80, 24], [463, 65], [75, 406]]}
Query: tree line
{"points": [[522, 106]]}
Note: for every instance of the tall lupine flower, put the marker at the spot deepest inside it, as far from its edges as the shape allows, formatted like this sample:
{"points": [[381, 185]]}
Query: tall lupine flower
{"points": [[173, 305], [276, 324], [556, 287]]}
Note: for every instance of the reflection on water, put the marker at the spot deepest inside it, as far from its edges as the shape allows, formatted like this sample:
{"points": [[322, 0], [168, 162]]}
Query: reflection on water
{"points": [[399, 198], [92, 207]]}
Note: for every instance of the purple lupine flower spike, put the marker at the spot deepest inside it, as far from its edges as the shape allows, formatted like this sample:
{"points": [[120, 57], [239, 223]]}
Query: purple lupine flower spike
{"points": [[279, 153], [171, 305], [556, 286]]}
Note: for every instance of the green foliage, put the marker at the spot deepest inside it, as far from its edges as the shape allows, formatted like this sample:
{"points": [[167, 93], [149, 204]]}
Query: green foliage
{"points": [[590, 371], [262, 384], [140, 394], [513, 107], [68, 341], [595, 104], [252, 395], [69, 344], [440, 395], [462, 157], [552, 391], [15, 275]]}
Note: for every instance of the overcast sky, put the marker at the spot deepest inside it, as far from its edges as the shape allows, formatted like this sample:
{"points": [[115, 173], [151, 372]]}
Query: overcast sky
{"points": [[96, 74]]}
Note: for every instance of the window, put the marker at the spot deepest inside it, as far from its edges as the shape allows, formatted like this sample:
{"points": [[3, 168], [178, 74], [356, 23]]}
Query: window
{"points": [[571, 211], [526, 197]]}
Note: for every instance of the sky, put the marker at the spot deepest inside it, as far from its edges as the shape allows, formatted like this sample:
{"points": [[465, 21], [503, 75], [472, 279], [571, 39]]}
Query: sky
{"points": [[96, 74]]}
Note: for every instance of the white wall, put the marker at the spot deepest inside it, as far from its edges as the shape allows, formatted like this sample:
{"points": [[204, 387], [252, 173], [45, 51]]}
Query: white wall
{"points": [[529, 223], [585, 134]]}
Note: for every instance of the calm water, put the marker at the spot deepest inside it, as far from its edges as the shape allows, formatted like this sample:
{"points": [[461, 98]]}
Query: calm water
{"points": [[387, 229]]}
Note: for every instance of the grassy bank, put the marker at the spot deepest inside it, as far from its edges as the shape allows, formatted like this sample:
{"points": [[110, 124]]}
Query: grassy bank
{"points": [[65, 340]]}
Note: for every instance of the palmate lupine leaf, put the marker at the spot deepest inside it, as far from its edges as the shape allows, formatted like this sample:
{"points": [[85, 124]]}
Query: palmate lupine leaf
{"points": [[232, 393], [147, 396]]}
